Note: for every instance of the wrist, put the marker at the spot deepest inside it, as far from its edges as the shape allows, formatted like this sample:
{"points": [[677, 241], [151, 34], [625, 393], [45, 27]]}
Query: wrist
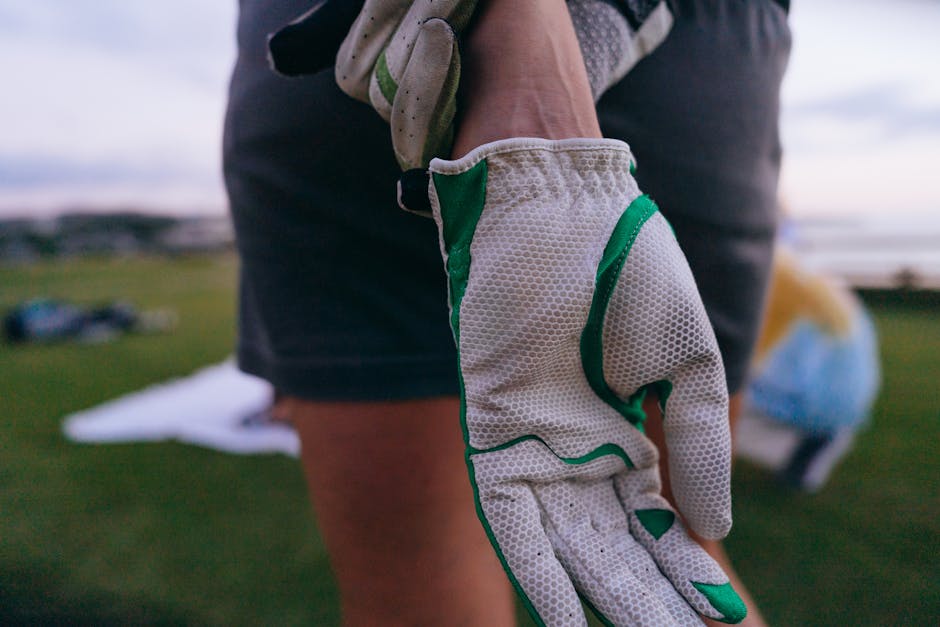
{"points": [[523, 76]]}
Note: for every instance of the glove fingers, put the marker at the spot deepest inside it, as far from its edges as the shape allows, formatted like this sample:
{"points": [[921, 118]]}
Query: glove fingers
{"points": [[609, 44], [425, 99], [606, 581], [698, 438], [513, 521], [398, 47], [695, 399], [693, 573], [456, 12], [611, 521], [602, 33], [657, 333], [377, 23], [309, 44]]}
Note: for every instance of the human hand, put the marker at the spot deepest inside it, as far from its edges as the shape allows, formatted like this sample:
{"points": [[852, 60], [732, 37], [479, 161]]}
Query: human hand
{"points": [[402, 57], [569, 298]]}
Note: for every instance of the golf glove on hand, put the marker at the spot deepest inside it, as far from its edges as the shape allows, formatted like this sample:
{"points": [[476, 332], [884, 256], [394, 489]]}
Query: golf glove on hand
{"points": [[569, 298], [402, 57]]}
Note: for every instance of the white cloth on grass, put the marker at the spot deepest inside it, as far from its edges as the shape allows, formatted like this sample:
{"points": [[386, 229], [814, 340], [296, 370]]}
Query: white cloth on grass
{"points": [[217, 407]]}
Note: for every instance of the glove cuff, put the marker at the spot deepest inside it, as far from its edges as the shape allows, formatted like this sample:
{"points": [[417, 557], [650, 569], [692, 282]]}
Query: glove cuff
{"points": [[526, 144]]}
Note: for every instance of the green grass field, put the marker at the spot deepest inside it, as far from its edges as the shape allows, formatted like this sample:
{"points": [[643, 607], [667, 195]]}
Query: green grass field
{"points": [[170, 534]]}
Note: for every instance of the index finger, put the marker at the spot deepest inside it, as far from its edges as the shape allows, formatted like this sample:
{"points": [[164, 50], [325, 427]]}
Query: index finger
{"points": [[698, 438]]}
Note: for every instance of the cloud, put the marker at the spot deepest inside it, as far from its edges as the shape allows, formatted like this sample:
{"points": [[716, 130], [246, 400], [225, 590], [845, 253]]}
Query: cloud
{"points": [[180, 32], [889, 105], [36, 171], [128, 96], [112, 93]]}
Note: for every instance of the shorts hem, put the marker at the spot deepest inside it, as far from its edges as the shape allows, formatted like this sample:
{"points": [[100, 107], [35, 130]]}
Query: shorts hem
{"points": [[355, 378]]}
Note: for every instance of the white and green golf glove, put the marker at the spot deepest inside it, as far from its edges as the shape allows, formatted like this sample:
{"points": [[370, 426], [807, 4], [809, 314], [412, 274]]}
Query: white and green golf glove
{"points": [[569, 299], [403, 58]]}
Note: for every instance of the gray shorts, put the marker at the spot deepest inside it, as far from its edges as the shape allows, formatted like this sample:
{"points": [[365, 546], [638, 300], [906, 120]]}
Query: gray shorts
{"points": [[343, 295]]}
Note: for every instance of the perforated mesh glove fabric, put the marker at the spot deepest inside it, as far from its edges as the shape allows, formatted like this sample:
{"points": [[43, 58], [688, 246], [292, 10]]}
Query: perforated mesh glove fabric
{"points": [[569, 297], [615, 35], [402, 57]]}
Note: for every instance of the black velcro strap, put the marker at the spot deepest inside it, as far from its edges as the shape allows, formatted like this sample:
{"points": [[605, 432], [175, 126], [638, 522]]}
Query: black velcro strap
{"points": [[413, 191]]}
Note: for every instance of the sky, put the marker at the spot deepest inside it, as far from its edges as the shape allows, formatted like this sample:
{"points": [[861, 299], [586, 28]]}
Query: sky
{"points": [[113, 103], [861, 108], [116, 104]]}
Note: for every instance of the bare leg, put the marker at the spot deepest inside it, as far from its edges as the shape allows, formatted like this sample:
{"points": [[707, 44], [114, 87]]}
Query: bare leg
{"points": [[394, 505], [654, 429]]}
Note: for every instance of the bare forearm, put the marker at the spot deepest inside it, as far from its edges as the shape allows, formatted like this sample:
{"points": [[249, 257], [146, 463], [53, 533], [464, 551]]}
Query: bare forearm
{"points": [[523, 76]]}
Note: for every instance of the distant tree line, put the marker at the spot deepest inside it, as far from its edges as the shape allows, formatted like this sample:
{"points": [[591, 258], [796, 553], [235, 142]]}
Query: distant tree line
{"points": [[127, 233]]}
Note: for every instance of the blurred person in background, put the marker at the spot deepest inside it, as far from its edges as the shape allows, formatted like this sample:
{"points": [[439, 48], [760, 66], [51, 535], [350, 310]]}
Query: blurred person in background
{"points": [[343, 305]]}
